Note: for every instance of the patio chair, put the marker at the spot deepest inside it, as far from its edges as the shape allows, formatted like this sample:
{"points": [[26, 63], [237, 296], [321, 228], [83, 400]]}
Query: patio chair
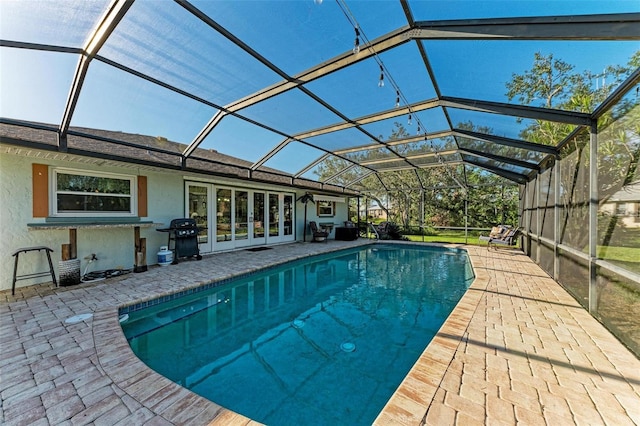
{"points": [[383, 230], [501, 235], [318, 235]]}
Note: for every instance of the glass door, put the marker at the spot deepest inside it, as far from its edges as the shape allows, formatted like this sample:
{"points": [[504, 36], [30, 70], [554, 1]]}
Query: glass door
{"points": [[198, 208], [258, 219], [274, 216], [281, 217], [241, 218], [287, 210], [224, 236]]}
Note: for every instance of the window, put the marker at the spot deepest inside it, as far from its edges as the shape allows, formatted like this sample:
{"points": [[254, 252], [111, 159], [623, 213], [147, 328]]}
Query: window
{"points": [[326, 208], [81, 193], [621, 209]]}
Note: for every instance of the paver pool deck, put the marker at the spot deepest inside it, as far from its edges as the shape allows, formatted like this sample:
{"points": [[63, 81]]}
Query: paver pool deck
{"points": [[518, 349]]}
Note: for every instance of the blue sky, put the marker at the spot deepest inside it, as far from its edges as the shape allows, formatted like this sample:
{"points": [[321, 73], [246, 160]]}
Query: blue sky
{"points": [[161, 39]]}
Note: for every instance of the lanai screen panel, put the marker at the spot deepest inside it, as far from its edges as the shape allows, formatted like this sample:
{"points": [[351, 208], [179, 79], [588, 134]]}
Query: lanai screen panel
{"points": [[50, 22], [502, 125], [38, 89], [291, 112], [408, 124], [296, 36], [379, 153], [240, 138], [335, 166], [557, 64], [459, 9], [350, 137], [302, 153], [112, 99], [483, 177], [359, 91], [279, 71], [163, 40]]}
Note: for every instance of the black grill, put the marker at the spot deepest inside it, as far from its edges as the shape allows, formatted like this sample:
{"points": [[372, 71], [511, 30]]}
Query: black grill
{"points": [[184, 234]]}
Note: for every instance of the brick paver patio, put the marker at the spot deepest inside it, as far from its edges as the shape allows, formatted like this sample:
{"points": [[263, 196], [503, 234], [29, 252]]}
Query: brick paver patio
{"points": [[517, 349]]}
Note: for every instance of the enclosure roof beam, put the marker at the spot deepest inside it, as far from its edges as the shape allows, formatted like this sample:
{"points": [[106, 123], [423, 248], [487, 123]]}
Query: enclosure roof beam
{"points": [[516, 143], [369, 173], [422, 166], [115, 12], [522, 111], [312, 165], [500, 158], [381, 182], [617, 94], [379, 45], [409, 157], [433, 135], [341, 172], [39, 46], [203, 133], [372, 118], [270, 154], [621, 26], [501, 140], [516, 177]]}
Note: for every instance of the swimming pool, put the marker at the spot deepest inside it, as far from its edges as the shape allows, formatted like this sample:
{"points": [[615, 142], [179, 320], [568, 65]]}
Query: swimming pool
{"points": [[325, 340]]}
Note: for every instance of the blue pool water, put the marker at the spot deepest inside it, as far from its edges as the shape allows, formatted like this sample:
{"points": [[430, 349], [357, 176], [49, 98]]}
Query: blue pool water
{"points": [[324, 341]]}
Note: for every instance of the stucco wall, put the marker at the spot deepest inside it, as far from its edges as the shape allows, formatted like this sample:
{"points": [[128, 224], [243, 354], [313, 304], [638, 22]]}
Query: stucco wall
{"points": [[341, 214], [114, 247]]}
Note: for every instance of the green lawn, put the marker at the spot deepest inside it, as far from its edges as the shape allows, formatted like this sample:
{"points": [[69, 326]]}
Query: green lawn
{"points": [[625, 257], [623, 254], [448, 237]]}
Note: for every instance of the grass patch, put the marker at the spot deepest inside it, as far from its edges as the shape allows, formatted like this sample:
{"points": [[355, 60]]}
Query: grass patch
{"points": [[623, 254], [453, 237], [625, 257]]}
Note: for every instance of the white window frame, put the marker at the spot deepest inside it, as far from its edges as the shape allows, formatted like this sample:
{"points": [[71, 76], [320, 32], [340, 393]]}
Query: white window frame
{"points": [[53, 193], [330, 205]]}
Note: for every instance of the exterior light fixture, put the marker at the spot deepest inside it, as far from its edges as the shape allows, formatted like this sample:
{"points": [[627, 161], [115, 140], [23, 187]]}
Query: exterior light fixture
{"points": [[356, 45]]}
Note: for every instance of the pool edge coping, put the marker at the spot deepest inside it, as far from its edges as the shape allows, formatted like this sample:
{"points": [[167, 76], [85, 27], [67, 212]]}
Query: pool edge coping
{"points": [[410, 402]]}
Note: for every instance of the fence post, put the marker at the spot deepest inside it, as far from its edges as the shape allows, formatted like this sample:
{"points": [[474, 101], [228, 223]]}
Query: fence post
{"points": [[593, 216]]}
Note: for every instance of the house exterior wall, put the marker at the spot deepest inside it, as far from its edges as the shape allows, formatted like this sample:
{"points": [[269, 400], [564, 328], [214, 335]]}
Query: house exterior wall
{"points": [[114, 247], [628, 212]]}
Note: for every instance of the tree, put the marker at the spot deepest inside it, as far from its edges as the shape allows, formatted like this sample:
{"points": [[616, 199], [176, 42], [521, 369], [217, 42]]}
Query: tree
{"points": [[553, 83]]}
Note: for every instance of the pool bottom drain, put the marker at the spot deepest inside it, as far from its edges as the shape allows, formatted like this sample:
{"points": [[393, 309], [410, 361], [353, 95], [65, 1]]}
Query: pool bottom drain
{"points": [[348, 347]]}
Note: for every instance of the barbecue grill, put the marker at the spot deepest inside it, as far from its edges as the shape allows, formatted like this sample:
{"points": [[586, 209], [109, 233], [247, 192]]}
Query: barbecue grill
{"points": [[184, 234]]}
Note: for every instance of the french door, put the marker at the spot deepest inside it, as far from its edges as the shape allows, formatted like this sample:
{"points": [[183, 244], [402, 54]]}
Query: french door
{"points": [[237, 217], [240, 218], [258, 219], [198, 207], [280, 214]]}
